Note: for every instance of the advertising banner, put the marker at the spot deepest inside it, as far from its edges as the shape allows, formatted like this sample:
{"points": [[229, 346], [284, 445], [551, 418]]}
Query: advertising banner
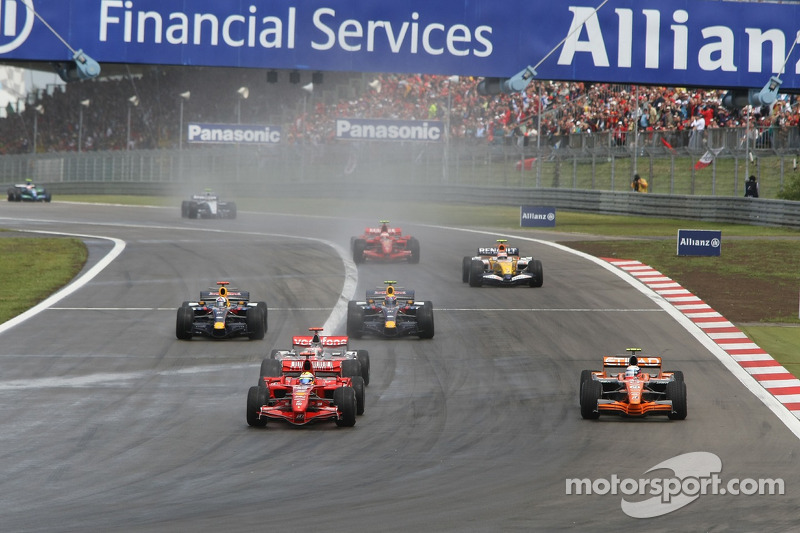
{"points": [[537, 216], [699, 242]]}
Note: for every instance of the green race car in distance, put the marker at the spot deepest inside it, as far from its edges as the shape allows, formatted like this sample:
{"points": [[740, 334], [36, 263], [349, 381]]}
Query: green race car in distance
{"points": [[28, 192]]}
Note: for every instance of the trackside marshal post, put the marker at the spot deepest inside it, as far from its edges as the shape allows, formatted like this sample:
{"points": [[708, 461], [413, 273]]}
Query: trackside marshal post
{"points": [[537, 216], [699, 242]]}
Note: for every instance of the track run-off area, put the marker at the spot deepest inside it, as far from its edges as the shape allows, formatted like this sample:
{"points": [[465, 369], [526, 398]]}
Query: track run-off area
{"points": [[110, 423]]}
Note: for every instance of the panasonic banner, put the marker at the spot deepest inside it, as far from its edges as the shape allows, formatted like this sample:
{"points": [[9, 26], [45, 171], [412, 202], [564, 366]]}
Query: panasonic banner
{"points": [[699, 242], [232, 133], [363, 129], [537, 216], [659, 42]]}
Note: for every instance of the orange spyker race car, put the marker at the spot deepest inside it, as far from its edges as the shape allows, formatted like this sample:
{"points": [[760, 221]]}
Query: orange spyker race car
{"points": [[632, 386], [303, 399], [384, 244]]}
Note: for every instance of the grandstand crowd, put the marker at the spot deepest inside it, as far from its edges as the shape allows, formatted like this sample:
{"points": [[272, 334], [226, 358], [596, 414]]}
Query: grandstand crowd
{"points": [[100, 114]]}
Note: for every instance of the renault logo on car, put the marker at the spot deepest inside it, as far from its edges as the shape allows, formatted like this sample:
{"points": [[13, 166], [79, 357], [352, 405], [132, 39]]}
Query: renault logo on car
{"points": [[16, 22]]}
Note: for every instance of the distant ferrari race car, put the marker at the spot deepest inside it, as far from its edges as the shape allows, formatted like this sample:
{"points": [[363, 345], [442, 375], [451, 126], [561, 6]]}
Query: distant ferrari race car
{"points": [[385, 244], [304, 399], [207, 205], [632, 386], [221, 314], [390, 312], [501, 266]]}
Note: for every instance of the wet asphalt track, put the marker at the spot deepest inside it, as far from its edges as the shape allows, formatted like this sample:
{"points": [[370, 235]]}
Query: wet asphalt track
{"points": [[109, 423]]}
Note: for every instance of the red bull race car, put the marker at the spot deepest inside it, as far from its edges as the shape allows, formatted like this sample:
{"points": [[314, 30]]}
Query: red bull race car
{"points": [[384, 244], [303, 399], [390, 312], [502, 266], [222, 313], [632, 386]]}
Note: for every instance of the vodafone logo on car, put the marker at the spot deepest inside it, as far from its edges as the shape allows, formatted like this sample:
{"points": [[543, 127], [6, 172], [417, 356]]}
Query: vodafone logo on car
{"points": [[16, 23]]}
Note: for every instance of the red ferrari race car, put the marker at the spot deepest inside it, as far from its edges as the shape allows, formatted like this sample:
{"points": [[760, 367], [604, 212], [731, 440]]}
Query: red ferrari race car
{"points": [[329, 356], [303, 399], [384, 244], [632, 386]]}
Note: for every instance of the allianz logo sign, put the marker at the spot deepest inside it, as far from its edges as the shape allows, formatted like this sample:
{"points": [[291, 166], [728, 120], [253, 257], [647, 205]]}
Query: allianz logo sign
{"points": [[538, 216], [16, 23]]}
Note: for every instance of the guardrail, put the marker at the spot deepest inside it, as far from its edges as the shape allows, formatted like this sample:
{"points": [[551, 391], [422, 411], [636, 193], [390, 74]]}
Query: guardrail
{"points": [[756, 211]]}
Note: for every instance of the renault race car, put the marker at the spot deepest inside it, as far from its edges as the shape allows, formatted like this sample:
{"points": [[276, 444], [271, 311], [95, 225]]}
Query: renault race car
{"points": [[384, 244], [303, 399], [28, 192], [502, 266], [329, 355], [632, 386], [221, 314], [207, 205], [390, 312]]}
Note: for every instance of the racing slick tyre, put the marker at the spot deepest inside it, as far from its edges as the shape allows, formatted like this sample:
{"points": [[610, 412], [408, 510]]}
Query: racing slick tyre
{"points": [[184, 209], [255, 323], [678, 374], [465, 264], [274, 353], [231, 209], [192, 210], [355, 320], [358, 387], [351, 368], [363, 358], [256, 397], [676, 391], [48, 197], [413, 246], [345, 399], [184, 323], [586, 375], [476, 273], [359, 245], [265, 310], [536, 270], [270, 368], [425, 321], [590, 393]]}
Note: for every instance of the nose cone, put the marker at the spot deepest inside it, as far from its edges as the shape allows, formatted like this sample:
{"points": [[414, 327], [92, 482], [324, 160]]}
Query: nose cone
{"points": [[219, 325], [390, 324]]}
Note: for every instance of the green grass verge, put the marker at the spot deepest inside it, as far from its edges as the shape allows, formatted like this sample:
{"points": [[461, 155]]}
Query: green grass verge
{"points": [[34, 268]]}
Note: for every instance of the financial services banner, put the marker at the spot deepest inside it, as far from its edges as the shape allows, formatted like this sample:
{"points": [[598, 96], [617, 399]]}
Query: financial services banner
{"points": [[707, 43]]}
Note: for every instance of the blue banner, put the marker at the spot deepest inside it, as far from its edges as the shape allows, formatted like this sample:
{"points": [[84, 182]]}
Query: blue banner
{"points": [[537, 216], [699, 242], [663, 42]]}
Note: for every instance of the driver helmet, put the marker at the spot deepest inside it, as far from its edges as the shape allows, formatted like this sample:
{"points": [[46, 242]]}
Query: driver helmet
{"points": [[221, 302], [306, 378], [391, 300], [632, 371]]}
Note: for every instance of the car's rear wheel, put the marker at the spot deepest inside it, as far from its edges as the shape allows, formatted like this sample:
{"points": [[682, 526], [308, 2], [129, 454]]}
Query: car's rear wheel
{"points": [[355, 320], [678, 374], [676, 391], [255, 323], [537, 271], [465, 264], [256, 398], [590, 393], [270, 368], [358, 387], [231, 209], [192, 210], [425, 328], [413, 246], [363, 358], [359, 245], [351, 368], [274, 353], [476, 273], [265, 310], [184, 323], [345, 399]]}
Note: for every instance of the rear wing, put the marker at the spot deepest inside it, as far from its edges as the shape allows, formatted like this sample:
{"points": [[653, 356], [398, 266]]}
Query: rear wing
{"points": [[293, 367], [492, 250], [377, 231], [335, 341], [616, 364], [399, 292], [205, 197], [232, 294]]}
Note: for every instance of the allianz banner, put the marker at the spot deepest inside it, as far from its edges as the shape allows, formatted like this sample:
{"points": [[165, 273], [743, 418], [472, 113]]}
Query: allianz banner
{"points": [[537, 216], [702, 43], [232, 133], [699, 242], [364, 129]]}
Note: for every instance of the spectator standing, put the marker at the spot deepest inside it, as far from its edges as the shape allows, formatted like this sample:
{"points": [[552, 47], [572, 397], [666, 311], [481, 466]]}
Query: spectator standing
{"points": [[751, 187], [639, 184]]}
